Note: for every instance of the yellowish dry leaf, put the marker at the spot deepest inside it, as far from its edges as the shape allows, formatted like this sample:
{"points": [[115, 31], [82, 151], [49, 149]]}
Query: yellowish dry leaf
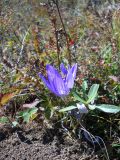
{"points": [[5, 98]]}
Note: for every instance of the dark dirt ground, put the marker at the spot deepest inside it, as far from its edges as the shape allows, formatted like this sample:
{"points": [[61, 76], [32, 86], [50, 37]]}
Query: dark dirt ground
{"points": [[35, 143]]}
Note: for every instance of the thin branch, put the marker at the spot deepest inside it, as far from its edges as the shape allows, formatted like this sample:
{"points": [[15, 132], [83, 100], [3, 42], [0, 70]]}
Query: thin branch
{"points": [[23, 42], [57, 43], [66, 36]]}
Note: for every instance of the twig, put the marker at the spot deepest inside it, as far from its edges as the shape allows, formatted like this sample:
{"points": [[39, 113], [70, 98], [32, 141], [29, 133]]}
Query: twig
{"points": [[57, 43], [17, 36], [67, 40], [23, 42]]}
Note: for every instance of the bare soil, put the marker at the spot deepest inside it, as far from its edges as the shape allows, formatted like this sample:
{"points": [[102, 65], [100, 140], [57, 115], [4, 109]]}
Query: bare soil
{"points": [[36, 143]]}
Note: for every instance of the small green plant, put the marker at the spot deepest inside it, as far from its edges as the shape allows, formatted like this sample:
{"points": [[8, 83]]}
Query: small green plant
{"points": [[28, 114], [27, 49], [88, 100]]}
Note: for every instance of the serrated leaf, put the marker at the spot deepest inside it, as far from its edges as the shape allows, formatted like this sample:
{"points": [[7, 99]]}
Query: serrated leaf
{"points": [[108, 108], [22, 113], [4, 120], [67, 108], [92, 92], [28, 114], [33, 110], [77, 97], [26, 118]]}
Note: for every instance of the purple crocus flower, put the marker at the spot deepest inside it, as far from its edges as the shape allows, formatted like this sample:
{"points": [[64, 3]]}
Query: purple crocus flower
{"points": [[58, 84]]}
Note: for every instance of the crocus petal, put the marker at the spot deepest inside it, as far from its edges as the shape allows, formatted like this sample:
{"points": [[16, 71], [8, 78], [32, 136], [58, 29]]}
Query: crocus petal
{"points": [[63, 69], [46, 82], [51, 72], [69, 80], [71, 76], [74, 70], [60, 86]]}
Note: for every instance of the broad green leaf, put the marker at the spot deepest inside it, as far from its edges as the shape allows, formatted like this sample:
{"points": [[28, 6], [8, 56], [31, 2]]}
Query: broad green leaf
{"points": [[92, 92], [108, 108], [77, 97], [91, 107], [67, 108], [84, 85]]}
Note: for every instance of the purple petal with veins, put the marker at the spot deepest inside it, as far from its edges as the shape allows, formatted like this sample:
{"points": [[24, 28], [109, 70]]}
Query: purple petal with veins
{"points": [[63, 69], [57, 84]]}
